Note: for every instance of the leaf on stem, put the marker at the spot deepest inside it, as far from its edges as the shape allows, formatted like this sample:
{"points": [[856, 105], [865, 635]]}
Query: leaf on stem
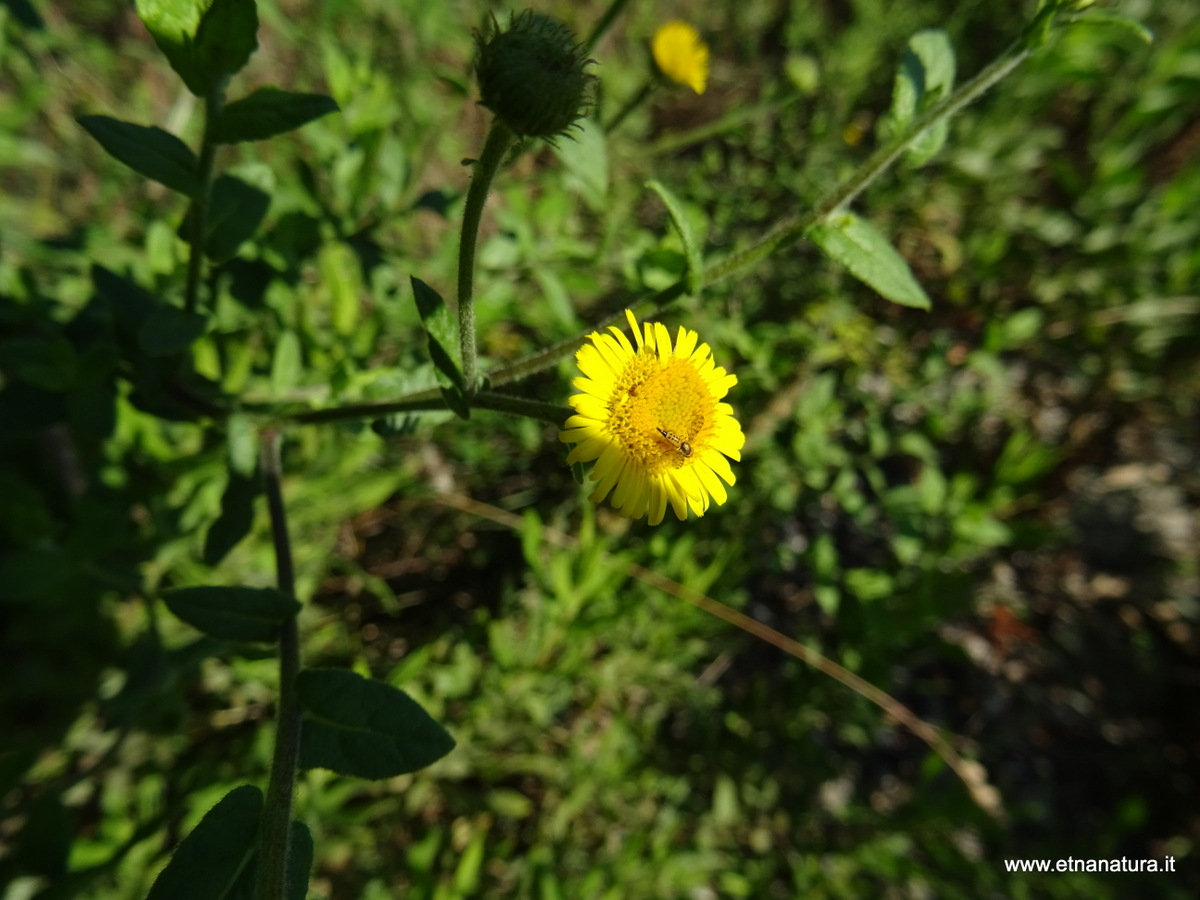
{"points": [[444, 350], [226, 38], [210, 860], [235, 210], [355, 726], [286, 364], [691, 247], [925, 76], [203, 40], [858, 245], [268, 112], [1128, 24], [236, 518], [233, 613], [299, 865], [149, 151]]}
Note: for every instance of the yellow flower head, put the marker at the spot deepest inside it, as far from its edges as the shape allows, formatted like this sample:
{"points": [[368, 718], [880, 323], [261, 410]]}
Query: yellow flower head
{"points": [[653, 420], [681, 54]]}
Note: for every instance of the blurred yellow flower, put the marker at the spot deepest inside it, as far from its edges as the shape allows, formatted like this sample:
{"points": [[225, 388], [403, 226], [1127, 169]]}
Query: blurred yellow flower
{"points": [[681, 55], [653, 420]]}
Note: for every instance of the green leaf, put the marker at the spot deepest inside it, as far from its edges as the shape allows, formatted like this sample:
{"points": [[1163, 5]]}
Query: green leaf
{"points": [[170, 330], [227, 36], [173, 25], [1116, 20], [691, 249], [300, 861], [858, 245], [925, 76], [299, 866], [233, 613], [584, 155], [235, 210], [241, 441], [149, 151], [209, 860], [442, 331], [205, 41], [286, 364], [269, 112], [355, 726], [342, 277], [236, 518]]}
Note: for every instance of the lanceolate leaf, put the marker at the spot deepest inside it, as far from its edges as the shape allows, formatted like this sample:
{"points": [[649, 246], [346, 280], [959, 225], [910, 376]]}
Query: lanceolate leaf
{"points": [[206, 865], [925, 76], [203, 40], [173, 24], [233, 613], [269, 112], [227, 35], [858, 245], [442, 332], [299, 865], [149, 151], [235, 210], [356, 726], [691, 248]]}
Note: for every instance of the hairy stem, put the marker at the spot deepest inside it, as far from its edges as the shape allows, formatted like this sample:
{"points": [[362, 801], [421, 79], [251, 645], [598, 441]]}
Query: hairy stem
{"points": [[786, 232], [522, 406], [274, 846], [499, 139], [792, 229]]}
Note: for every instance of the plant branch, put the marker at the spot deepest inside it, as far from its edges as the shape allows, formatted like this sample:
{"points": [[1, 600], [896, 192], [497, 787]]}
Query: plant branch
{"points": [[522, 406], [792, 229], [499, 139], [198, 213], [786, 232], [274, 846]]}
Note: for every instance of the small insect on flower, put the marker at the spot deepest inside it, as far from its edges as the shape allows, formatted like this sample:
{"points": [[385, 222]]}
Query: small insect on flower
{"points": [[680, 444], [627, 392]]}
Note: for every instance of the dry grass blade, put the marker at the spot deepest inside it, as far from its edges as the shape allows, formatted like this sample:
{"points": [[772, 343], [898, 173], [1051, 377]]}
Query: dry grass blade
{"points": [[972, 774]]}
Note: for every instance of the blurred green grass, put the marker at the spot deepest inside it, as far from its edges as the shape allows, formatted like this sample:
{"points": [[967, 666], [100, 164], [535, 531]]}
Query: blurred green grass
{"points": [[988, 510]]}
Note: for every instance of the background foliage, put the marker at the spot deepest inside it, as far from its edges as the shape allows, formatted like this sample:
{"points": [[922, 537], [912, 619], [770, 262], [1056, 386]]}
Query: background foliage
{"points": [[989, 510]]}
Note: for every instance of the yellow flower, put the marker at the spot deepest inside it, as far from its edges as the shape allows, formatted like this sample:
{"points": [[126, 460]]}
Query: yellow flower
{"points": [[681, 55], [653, 420]]}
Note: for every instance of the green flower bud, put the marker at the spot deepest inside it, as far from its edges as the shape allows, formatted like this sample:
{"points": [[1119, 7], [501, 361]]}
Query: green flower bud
{"points": [[533, 76]]}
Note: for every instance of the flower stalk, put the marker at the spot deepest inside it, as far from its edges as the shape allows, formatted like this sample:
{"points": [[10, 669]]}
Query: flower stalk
{"points": [[499, 139]]}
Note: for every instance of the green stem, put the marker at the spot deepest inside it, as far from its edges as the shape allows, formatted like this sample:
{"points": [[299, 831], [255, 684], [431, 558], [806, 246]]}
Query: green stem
{"points": [[499, 139], [786, 232], [633, 103], [792, 229], [198, 213], [422, 401], [274, 845], [605, 22], [522, 406]]}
